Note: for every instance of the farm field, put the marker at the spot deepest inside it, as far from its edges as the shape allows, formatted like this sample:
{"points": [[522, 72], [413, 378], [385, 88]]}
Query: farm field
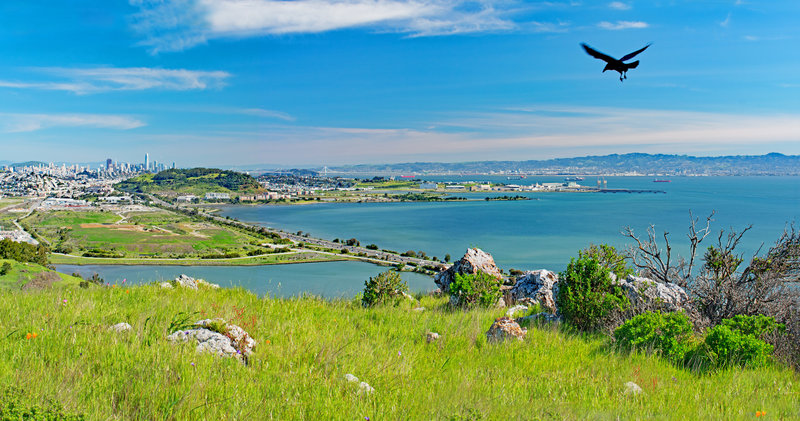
{"points": [[157, 233]]}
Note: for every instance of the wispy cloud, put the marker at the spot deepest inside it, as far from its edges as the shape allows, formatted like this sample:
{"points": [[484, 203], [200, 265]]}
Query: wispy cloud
{"points": [[618, 5], [726, 22], [623, 24], [522, 133], [17, 123], [260, 112], [175, 25], [104, 79]]}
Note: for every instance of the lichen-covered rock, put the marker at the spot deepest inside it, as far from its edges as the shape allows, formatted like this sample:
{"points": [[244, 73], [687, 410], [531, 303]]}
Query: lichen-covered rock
{"points": [[632, 388], [431, 337], [365, 389], [191, 283], [475, 260], [217, 336], [351, 378], [166, 285], [537, 287], [648, 295], [505, 328], [120, 327]]}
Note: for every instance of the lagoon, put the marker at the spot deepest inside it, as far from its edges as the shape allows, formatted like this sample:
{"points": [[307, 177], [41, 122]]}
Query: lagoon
{"points": [[327, 279]]}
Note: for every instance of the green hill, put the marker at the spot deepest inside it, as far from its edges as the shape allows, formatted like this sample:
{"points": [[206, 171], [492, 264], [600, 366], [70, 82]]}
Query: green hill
{"points": [[192, 180], [16, 275], [307, 345]]}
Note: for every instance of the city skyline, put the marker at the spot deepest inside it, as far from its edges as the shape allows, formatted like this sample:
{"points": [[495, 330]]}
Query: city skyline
{"points": [[328, 82]]}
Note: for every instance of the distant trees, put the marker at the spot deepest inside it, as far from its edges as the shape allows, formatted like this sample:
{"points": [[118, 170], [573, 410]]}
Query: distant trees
{"points": [[24, 252]]}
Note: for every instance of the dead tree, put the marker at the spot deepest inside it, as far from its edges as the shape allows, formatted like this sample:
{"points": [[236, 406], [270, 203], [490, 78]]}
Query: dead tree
{"points": [[657, 263]]}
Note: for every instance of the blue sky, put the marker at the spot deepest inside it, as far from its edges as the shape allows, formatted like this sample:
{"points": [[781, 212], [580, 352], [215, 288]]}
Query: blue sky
{"points": [[313, 82]]}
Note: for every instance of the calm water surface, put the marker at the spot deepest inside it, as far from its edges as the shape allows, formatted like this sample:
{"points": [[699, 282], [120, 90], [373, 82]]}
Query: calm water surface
{"points": [[548, 231], [328, 279]]}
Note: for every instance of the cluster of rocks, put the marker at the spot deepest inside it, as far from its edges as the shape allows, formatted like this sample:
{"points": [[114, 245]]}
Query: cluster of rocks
{"points": [[363, 387], [232, 341], [184, 281], [540, 288]]}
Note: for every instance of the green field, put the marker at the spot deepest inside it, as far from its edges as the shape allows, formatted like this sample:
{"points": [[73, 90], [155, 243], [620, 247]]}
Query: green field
{"points": [[140, 234], [269, 259], [307, 345], [27, 275]]}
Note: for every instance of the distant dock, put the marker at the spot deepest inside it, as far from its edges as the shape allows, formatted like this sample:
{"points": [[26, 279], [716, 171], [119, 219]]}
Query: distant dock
{"points": [[629, 191]]}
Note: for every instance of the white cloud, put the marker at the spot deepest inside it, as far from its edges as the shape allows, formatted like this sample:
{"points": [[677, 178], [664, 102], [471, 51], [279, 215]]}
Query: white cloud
{"points": [[17, 123], [260, 112], [726, 22], [622, 24], [619, 5], [104, 79], [175, 25]]}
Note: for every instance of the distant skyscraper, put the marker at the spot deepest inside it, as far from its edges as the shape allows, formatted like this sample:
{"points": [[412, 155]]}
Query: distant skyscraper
{"points": [[173, 165], [146, 162], [109, 163]]}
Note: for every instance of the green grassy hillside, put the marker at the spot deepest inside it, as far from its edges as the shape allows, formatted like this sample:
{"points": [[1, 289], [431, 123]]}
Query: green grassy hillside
{"points": [[306, 346], [196, 181], [30, 275]]}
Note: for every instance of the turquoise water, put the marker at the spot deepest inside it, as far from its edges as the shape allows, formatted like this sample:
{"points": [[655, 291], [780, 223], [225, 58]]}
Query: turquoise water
{"points": [[327, 279], [545, 233]]}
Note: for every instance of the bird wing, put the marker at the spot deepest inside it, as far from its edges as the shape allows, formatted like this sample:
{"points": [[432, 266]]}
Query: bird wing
{"points": [[633, 54], [596, 54]]}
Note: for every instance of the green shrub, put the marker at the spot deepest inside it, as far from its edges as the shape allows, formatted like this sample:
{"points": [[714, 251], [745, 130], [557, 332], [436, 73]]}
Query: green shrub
{"points": [[5, 268], [666, 333], [15, 404], [478, 289], [609, 257], [586, 294], [383, 288], [736, 342], [757, 325]]}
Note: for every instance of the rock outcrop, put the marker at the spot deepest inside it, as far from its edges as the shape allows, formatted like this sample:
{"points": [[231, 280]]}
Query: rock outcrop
{"points": [[475, 260], [431, 337], [219, 337], [648, 295], [505, 328], [537, 287], [120, 327], [184, 281]]}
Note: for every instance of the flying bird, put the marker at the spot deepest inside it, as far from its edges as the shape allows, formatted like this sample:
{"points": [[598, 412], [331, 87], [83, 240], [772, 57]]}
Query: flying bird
{"points": [[614, 64]]}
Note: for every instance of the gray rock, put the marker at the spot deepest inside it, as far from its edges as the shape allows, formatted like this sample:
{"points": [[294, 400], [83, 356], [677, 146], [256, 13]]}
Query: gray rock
{"points": [[120, 327], [504, 328], [632, 388], [648, 295], [537, 287], [186, 282], [365, 389], [431, 337], [418, 309], [166, 285], [475, 260], [514, 310], [235, 342], [351, 378]]}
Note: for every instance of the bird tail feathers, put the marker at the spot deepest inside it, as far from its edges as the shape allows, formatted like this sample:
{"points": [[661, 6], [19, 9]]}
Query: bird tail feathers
{"points": [[632, 65]]}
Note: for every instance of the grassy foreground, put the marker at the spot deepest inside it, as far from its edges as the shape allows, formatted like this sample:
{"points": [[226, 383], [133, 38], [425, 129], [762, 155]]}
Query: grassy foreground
{"points": [[306, 346]]}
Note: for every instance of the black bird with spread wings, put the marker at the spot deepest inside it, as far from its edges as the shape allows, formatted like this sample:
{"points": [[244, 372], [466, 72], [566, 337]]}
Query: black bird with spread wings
{"points": [[614, 64]]}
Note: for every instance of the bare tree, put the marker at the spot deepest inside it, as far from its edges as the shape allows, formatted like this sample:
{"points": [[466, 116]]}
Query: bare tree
{"points": [[657, 263]]}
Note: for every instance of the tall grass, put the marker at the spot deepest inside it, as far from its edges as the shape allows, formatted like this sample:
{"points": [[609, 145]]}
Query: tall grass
{"points": [[307, 345]]}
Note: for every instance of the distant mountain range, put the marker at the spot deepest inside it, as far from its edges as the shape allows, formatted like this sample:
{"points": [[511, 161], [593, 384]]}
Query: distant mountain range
{"points": [[631, 164]]}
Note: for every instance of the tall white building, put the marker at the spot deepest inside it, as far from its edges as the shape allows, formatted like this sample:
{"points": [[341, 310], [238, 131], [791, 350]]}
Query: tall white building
{"points": [[146, 162]]}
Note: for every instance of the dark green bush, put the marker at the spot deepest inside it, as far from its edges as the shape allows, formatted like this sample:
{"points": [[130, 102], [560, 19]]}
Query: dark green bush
{"points": [[384, 288], [586, 295], [609, 257], [736, 342], [5, 268], [666, 333], [479, 289]]}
